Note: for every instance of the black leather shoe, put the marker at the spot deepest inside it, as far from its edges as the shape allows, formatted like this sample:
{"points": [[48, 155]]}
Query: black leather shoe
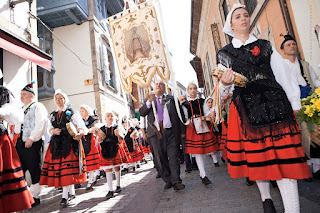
{"points": [[268, 206], [249, 182], [188, 170], [77, 186], [167, 186], [110, 195], [205, 180], [71, 197], [118, 190], [64, 202], [138, 166], [158, 176], [216, 165], [178, 186], [36, 202], [89, 187], [316, 175], [134, 169]]}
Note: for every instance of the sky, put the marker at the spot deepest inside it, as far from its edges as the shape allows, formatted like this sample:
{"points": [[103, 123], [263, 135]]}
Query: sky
{"points": [[177, 25]]}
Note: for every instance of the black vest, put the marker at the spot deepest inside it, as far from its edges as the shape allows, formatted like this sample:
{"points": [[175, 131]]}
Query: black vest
{"points": [[61, 144], [263, 106], [128, 140], [109, 146], [86, 141]]}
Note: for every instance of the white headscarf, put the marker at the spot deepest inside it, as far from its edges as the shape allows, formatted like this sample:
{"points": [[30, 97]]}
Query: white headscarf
{"points": [[227, 26], [206, 109], [88, 109], [58, 91]]}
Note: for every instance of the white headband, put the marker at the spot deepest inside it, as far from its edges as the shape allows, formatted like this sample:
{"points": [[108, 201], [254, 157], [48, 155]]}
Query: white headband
{"points": [[227, 26], [88, 109], [58, 91]]}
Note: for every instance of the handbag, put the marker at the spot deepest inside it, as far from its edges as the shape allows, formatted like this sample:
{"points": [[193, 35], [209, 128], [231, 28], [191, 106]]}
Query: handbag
{"points": [[200, 125]]}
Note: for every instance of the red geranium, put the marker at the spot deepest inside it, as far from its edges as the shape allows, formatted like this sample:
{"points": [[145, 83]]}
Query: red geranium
{"points": [[255, 51]]}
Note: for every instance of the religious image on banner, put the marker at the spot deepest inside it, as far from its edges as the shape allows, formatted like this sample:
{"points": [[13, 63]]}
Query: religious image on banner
{"points": [[138, 47]]}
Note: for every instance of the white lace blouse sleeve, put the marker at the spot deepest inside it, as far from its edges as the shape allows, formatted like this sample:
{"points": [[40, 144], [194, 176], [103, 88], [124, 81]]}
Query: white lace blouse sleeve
{"points": [[12, 112], [285, 78], [78, 121]]}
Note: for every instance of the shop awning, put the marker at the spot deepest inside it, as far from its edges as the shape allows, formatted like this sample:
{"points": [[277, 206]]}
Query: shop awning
{"points": [[20, 48]]}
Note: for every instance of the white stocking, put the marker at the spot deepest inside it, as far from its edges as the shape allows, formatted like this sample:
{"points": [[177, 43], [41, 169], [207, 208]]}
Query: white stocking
{"points": [[290, 195], [72, 190], [65, 191], [315, 167], [35, 190], [264, 188], [109, 180], [214, 156], [118, 177], [91, 177], [199, 160]]}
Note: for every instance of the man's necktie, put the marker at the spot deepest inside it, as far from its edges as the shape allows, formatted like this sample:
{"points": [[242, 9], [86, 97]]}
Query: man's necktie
{"points": [[159, 109]]}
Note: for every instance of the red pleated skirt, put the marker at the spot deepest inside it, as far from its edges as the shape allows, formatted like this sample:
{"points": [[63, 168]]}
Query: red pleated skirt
{"points": [[121, 157], [270, 160], [137, 154], [200, 144], [62, 171], [223, 136], [145, 150], [93, 157], [14, 193]]}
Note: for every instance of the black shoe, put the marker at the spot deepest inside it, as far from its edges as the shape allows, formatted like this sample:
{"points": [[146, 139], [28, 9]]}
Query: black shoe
{"points": [[167, 186], [64, 202], [268, 206], [125, 170], [216, 165], [316, 175], [178, 186], [205, 180], [77, 186], [223, 160], [109, 195], [308, 180], [36, 202], [158, 176], [89, 187], [188, 170], [274, 183], [249, 182], [60, 188], [134, 169], [94, 182], [102, 174], [71, 197], [118, 190], [138, 166]]}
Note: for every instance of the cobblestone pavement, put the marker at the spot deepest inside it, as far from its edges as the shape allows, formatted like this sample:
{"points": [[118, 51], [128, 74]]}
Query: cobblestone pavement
{"points": [[143, 193]]}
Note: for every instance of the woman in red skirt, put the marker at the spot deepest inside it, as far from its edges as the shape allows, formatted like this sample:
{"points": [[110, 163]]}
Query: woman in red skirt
{"points": [[14, 193], [130, 138], [61, 164], [263, 141], [198, 144], [112, 154], [89, 144]]}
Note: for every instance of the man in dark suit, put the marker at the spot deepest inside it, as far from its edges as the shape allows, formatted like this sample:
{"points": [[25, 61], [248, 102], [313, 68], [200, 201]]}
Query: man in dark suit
{"points": [[165, 142]]}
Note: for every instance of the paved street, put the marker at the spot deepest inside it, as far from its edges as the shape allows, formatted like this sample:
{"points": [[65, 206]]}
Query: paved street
{"points": [[143, 193]]}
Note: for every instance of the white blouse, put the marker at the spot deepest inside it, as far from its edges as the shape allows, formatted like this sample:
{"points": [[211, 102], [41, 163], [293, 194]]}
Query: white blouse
{"points": [[281, 72], [12, 112]]}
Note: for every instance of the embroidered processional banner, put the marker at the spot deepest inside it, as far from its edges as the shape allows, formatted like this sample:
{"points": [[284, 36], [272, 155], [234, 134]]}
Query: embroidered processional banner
{"points": [[138, 47]]}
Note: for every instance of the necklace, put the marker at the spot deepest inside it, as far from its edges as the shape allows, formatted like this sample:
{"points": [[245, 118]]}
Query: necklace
{"points": [[60, 115]]}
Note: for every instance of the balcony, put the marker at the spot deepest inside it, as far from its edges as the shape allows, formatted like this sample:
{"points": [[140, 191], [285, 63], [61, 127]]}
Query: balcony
{"points": [[57, 13]]}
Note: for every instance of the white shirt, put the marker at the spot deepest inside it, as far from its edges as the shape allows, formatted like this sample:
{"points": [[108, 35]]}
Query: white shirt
{"points": [[76, 119], [295, 67], [166, 118], [12, 112], [281, 71]]}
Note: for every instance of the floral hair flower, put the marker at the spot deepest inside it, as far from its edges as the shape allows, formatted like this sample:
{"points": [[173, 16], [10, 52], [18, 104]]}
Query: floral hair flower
{"points": [[68, 112], [281, 34], [87, 123]]}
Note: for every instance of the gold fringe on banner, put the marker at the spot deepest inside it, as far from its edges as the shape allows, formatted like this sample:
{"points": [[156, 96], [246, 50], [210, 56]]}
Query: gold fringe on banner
{"points": [[133, 98]]}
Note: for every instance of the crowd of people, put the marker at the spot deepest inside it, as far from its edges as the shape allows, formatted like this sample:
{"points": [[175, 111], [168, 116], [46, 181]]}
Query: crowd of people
{"points": [[252, 128]]}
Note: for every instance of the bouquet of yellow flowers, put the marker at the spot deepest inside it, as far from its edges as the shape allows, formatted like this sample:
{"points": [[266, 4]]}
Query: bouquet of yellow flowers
{"points": [[310, 111]]}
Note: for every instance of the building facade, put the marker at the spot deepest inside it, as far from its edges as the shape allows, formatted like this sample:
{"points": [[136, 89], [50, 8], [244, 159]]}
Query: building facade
{"points": [[20, 54], [269, 19], [83, 62]]}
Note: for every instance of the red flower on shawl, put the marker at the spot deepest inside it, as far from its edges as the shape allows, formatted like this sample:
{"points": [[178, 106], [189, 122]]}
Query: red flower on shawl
{"points": [[255, 51]]}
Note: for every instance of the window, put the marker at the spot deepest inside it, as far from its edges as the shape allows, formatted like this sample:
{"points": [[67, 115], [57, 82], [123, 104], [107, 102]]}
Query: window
{"points": [[225, 10], [45, 78], [112, 81], [250, 5], [107, 65]]}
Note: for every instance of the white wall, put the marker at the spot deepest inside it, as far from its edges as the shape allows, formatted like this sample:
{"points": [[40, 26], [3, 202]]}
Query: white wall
{"points": [[307, 15]]}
